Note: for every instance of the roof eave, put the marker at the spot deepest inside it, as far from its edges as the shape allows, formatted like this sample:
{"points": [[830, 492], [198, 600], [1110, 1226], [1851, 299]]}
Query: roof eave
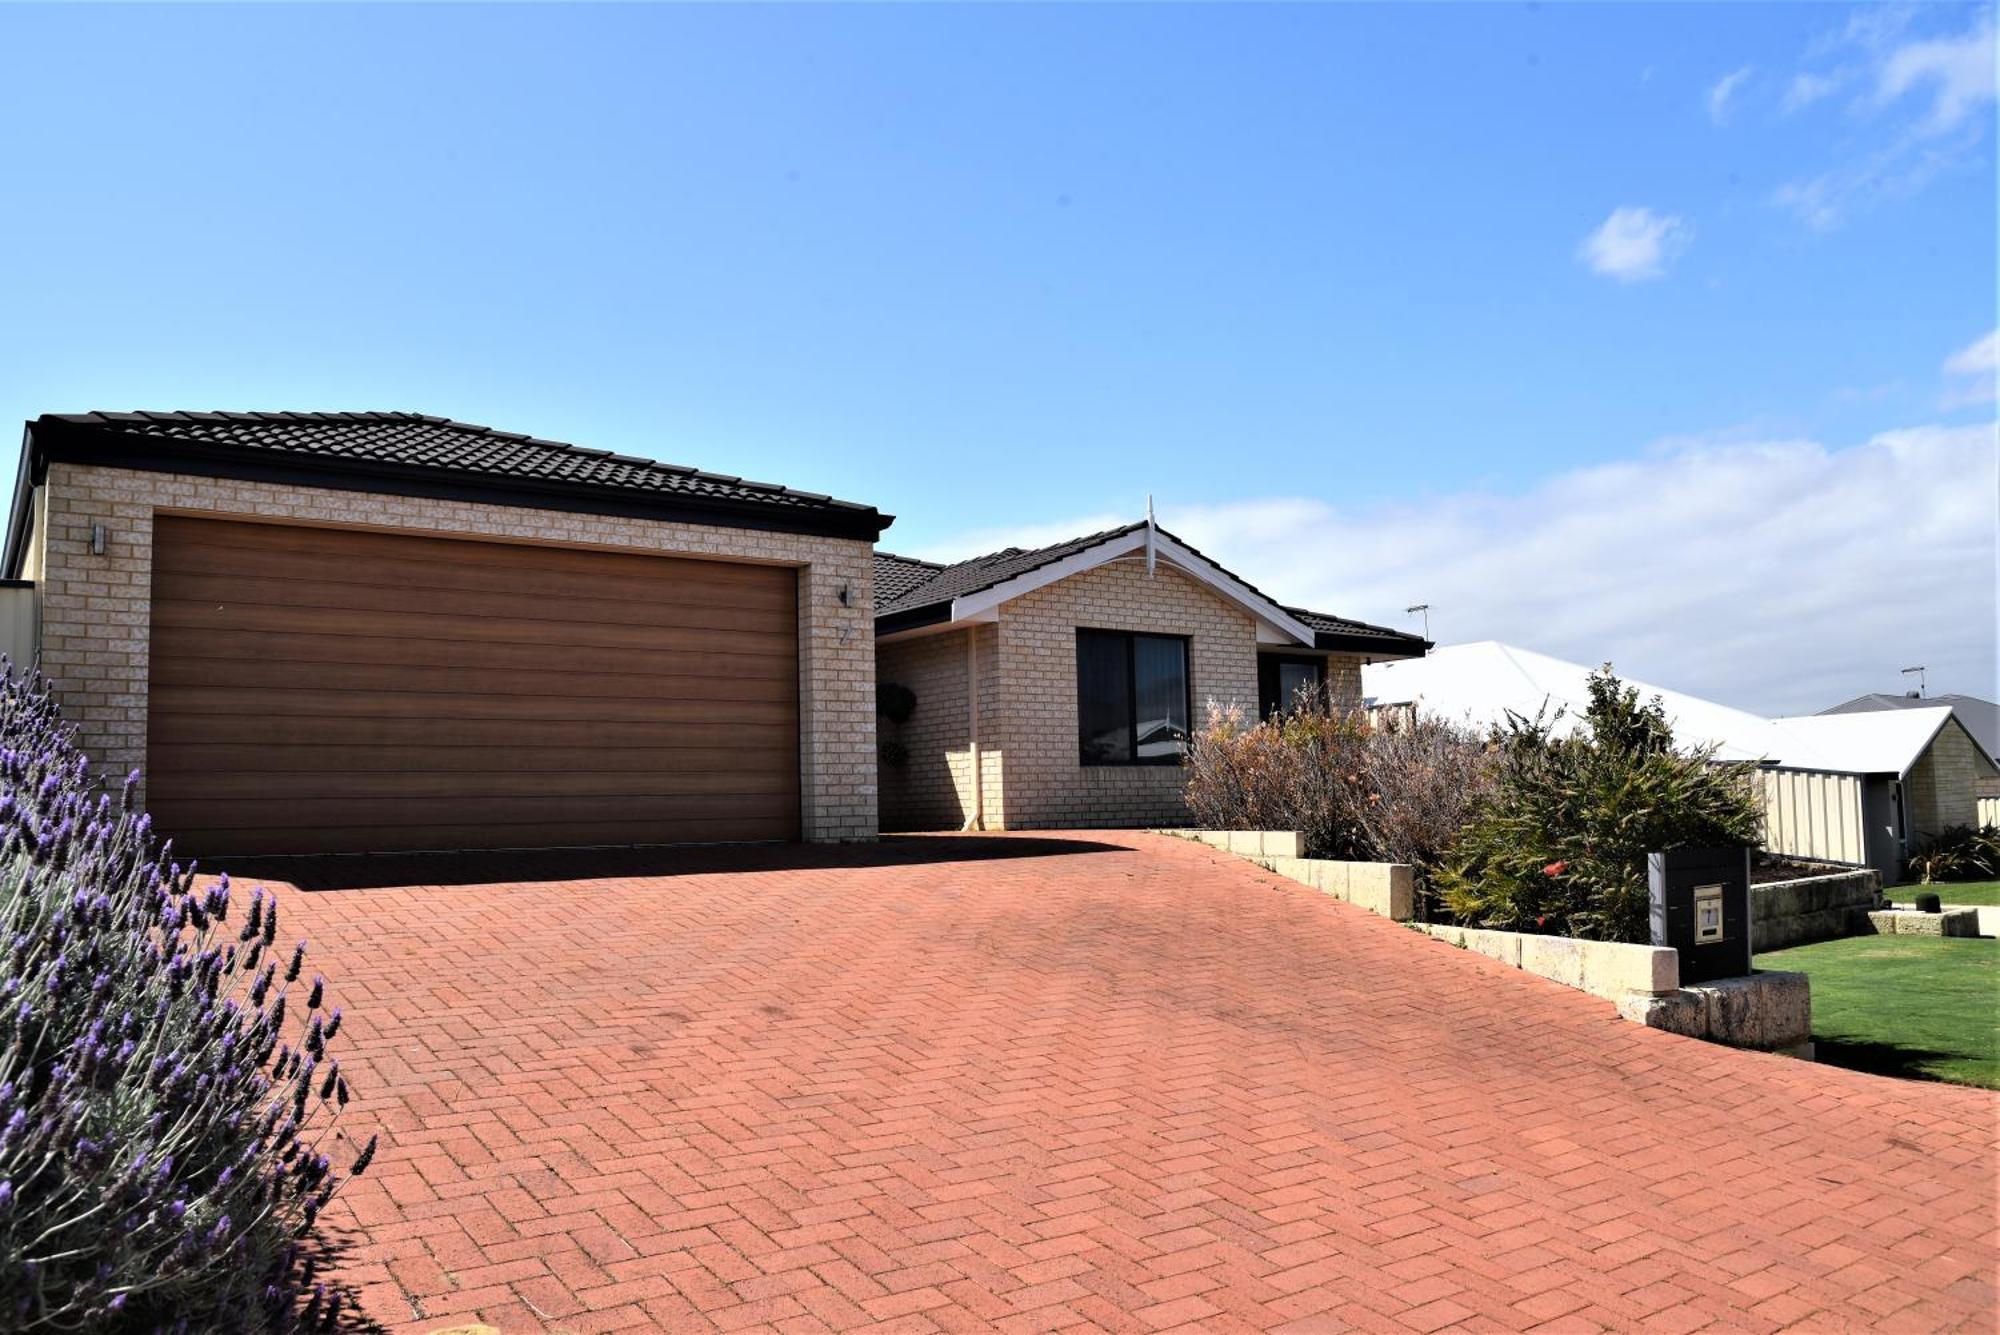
{"points": [[1401, 646], [912, 618], [54, 440], [22, 515]]}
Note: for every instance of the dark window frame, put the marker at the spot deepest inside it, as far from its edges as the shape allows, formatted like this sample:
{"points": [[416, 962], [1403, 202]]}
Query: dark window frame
{"points": [[1131, 638], [1271, 701]]}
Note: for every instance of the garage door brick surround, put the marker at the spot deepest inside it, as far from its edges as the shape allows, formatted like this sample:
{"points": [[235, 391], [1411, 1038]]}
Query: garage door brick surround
{"points": [[95, 608]]}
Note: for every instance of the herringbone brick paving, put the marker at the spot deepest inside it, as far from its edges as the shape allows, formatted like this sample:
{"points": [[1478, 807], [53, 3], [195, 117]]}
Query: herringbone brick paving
{"points": [[1111, 1081]]}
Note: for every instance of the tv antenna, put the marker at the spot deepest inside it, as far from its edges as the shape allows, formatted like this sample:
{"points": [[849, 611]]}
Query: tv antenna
{"points": [[1918, 671], [1423, 610]]}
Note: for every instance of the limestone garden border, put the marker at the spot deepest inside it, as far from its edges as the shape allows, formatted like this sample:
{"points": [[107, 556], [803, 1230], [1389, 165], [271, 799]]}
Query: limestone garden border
{"points": [[1768, 1011]]}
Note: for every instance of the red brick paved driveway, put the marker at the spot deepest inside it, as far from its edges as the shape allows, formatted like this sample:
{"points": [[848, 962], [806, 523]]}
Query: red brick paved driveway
{"points": [[1116, 1081]]}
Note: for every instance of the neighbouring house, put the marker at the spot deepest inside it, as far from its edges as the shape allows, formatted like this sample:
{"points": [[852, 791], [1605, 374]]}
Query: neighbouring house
{"points": [[328, 632], [1979, 717], [1057, 687], [1862, 789]]}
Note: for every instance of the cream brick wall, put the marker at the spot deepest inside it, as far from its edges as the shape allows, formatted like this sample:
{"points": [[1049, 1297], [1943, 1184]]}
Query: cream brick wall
{"points": [[1043, 783], [95, 609], [934, 791], [1343, 680], [1942, 789]]}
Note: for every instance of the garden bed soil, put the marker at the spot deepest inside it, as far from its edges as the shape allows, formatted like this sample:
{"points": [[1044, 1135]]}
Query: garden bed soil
{"points": [[1784, 869]]}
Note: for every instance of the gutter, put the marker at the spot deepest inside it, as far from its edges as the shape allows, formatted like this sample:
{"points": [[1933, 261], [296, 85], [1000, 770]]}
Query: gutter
{"points": [[914, 618], [1386, 645]]}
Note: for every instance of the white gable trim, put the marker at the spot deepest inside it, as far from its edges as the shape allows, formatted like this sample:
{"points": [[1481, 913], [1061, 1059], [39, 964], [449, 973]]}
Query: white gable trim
{"points": [[983, 605]]}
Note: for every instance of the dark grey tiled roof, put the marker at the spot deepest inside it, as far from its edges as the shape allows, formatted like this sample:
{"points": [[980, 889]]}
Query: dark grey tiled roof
{"points": [[390, 443], [983, 572], [896, 576], [904, 588], [1327, 624]]}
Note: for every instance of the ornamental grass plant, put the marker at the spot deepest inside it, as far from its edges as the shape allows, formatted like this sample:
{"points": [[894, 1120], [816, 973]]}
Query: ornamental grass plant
{"points": [[169, 1107]]}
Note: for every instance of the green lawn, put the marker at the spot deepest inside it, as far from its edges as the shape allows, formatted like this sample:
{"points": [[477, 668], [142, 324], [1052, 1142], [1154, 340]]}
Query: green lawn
{"points": [[1919, 1006], [1949, 892]]}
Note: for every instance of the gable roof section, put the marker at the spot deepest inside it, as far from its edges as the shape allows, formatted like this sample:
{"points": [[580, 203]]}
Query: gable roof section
{"points": [[1876, 742], [1981, 718], [912, 594], [402, 453], [978, 573]]}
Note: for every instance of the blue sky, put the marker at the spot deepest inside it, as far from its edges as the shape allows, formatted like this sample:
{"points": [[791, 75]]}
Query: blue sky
{"points": [[1005, 270]]}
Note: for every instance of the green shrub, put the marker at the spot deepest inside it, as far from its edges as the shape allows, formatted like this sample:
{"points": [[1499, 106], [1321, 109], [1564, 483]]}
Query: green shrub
{"points": [[168, 1107], [1960, 853], [1929, 903], [1559, 844]]}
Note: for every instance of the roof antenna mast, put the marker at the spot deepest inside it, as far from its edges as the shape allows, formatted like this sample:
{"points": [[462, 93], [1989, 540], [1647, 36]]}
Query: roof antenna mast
{"points": [[1149, 535], [1424, 610], [1918, 670]]}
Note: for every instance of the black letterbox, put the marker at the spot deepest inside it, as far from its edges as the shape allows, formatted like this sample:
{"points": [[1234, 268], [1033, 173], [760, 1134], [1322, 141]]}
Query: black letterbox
{"points": [[1701, 907]]}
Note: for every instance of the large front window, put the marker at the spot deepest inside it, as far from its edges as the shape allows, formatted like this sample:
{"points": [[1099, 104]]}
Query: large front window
{"points": [[1131, 698]]}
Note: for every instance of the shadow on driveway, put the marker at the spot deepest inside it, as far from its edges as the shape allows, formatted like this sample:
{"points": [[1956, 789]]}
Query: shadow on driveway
{"points": [[376, 871]]}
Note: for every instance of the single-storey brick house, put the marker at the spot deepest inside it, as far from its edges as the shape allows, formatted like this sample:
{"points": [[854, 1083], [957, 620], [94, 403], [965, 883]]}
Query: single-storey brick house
{"points": [[328, 632], [1057, 687]]}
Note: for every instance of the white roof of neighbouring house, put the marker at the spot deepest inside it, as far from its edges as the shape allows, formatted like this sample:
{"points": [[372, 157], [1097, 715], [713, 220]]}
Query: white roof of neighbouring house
{"points": [[1979, 717], [1884, 742], [1482, 683]]}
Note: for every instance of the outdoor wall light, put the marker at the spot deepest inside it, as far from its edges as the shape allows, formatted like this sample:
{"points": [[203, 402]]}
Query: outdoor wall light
{"points": [[846, 596], [97, 539]]}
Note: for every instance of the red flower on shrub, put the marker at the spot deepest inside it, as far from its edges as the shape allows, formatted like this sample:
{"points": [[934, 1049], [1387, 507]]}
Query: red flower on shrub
{"points": [[1541, 922], [1555, 869]]}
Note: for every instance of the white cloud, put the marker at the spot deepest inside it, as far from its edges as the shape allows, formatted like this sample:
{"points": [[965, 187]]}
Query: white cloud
{"points": [[1722, 90], [1896, 171], [1635, 243], [1775, 575], [1959, 72], [1806, 89], [1914, 117], [1976, 367]]}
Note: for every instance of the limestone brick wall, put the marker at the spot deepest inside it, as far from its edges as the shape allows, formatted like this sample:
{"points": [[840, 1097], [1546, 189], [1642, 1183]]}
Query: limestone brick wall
{"points": [[1044, 783], [95, 609], [1943, 786]]}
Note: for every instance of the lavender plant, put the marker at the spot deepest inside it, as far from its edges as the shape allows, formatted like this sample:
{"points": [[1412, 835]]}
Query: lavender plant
{"points": [[169, 1108]]}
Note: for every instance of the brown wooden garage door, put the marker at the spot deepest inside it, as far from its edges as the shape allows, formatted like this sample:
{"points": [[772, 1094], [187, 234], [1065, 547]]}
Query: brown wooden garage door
{"points": [[320, 690]]}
